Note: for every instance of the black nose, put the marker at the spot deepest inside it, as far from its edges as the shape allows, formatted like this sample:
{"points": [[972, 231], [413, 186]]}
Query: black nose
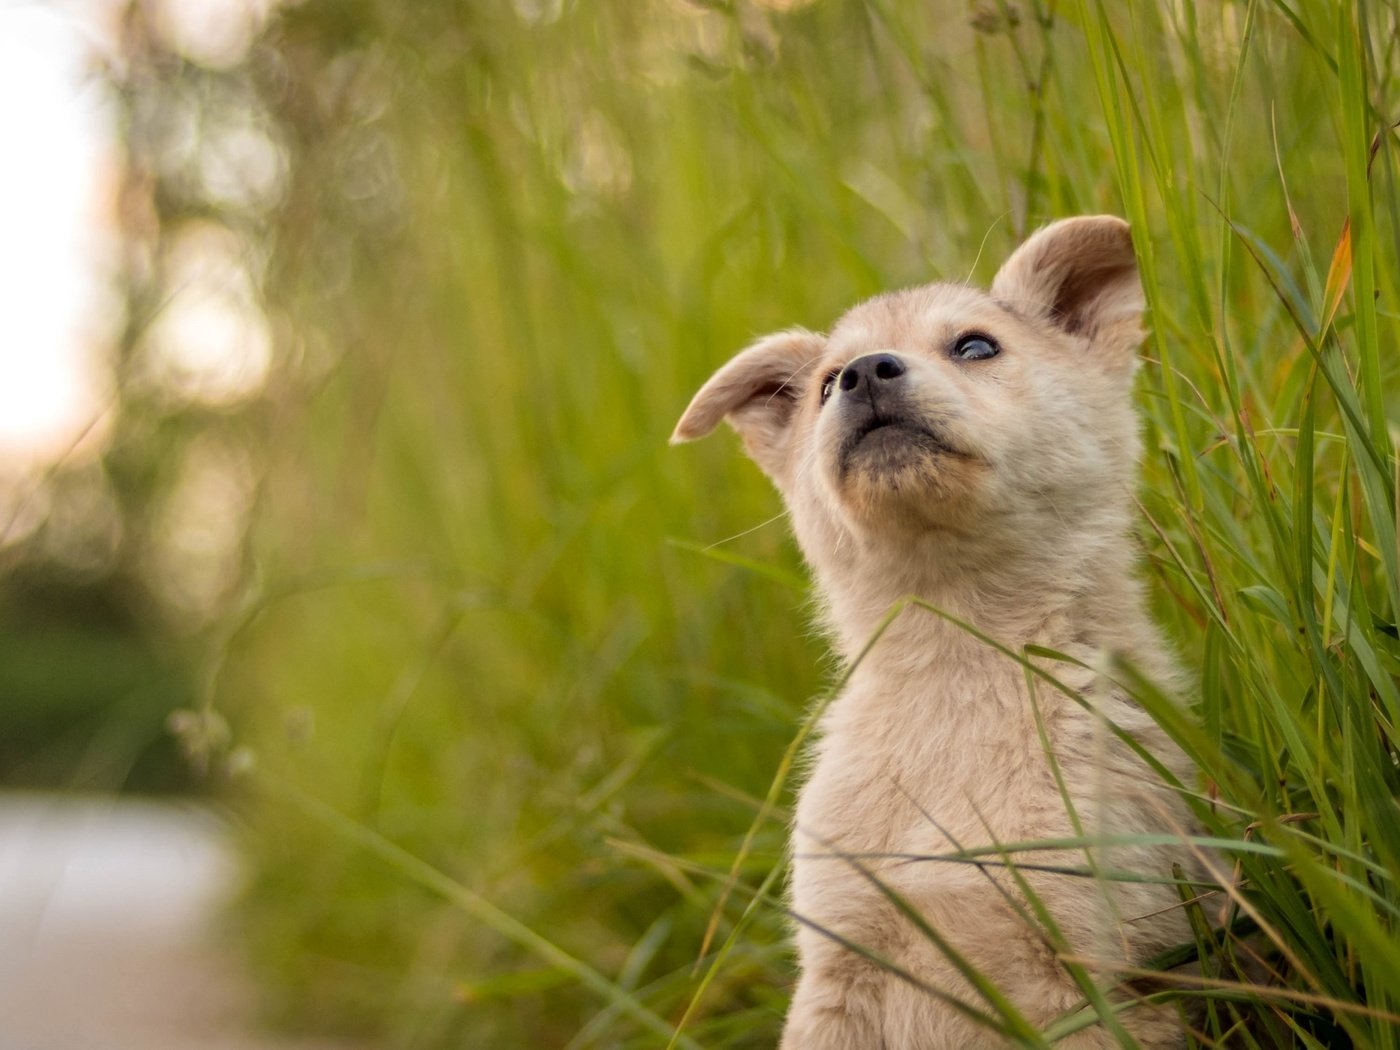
{"points": [[871, 371]]}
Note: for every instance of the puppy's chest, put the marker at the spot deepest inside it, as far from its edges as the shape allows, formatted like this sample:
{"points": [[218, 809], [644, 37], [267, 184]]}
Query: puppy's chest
{"points": [[910, 770]]}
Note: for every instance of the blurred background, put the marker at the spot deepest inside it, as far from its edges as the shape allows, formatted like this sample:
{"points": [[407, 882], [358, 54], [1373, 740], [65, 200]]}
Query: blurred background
{"points": [[341, 552]]}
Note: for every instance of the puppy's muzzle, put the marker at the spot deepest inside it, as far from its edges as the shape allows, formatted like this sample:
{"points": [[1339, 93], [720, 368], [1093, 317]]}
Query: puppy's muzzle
{"points": [[876, 396]]}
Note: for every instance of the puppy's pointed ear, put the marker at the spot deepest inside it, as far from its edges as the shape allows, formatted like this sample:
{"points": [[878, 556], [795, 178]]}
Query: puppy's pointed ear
{"points": [[758, 392], [1080, 275]]}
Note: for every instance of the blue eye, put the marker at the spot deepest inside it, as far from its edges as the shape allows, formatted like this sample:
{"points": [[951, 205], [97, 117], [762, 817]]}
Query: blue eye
{"points": [[975, 348]]}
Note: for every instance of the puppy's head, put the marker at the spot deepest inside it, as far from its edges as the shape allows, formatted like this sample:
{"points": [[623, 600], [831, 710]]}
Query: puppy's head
{"points": [[949, 408]]}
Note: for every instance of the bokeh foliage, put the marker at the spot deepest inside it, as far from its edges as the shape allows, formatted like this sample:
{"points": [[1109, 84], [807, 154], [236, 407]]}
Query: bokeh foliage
{"points": [[493, 619]]}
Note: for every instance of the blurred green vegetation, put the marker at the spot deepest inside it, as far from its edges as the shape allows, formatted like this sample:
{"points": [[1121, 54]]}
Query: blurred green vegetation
{"points": [[486, 617], [93, 661], [85, 689]]}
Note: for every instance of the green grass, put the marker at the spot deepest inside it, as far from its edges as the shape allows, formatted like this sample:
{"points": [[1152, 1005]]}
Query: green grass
{"points": [[517, 678]]}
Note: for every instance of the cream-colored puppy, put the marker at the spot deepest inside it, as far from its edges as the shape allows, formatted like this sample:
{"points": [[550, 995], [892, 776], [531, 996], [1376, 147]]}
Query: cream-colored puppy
{"points": [[977, 450]]}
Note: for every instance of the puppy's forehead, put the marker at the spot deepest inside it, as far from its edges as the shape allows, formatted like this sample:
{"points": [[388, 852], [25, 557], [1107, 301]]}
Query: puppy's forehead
{"points": [[896, 318]]}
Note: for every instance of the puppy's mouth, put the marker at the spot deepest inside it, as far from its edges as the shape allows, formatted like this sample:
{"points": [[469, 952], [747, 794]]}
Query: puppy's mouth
{"points": [[889, 435]]}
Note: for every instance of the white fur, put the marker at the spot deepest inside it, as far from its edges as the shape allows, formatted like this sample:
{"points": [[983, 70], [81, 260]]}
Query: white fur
{"points": [[1019, 522]]}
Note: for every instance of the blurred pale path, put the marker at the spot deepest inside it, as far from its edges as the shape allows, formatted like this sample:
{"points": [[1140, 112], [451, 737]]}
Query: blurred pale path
{"points": [[107, 933]]}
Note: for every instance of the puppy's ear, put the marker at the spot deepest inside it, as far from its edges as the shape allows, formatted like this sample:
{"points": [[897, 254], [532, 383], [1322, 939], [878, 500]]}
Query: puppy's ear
{"points": [[757, 392], [1080, 275]]}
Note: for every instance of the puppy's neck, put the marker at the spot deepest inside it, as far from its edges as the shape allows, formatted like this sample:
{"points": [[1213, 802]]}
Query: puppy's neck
{"points": [[1066, 588]]}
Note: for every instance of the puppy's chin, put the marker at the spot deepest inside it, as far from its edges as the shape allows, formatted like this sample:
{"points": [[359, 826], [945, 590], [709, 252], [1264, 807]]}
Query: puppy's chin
{"points": [[902, 475]]}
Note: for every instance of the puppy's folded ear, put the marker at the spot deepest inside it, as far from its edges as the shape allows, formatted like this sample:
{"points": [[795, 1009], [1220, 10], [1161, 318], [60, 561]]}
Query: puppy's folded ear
{"points": [[758, 392], [1080, 275]]}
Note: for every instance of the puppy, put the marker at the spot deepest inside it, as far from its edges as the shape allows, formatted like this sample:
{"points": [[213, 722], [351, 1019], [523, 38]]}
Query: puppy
{"points": [[976, 450]]}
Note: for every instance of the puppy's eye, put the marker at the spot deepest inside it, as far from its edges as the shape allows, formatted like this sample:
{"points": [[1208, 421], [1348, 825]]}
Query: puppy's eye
{"points": [[828, 385], [975, 348]]}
